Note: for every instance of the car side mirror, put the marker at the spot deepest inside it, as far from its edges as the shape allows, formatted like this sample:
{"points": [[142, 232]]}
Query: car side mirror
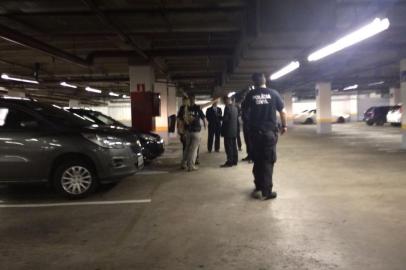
{"points": [[29, 124]]}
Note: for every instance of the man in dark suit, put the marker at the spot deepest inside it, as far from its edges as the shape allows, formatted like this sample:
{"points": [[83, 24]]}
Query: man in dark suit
{"points": [[229, 131], [213, 116]]}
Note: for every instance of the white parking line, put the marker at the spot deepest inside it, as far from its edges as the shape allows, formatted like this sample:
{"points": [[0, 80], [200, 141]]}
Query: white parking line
{"points": [[151, 172], [39, 205]]}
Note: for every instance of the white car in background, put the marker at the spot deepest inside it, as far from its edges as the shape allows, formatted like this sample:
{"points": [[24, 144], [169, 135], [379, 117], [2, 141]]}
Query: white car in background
{"points": [[310, 117], [394, 116]]}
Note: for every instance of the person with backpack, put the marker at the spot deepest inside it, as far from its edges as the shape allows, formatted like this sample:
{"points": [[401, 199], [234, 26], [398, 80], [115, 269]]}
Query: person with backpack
{"points": [[191, 115]]}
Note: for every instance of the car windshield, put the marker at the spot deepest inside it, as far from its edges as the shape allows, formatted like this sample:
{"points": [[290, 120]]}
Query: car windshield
{"points": [[100, 118], [59, 116]]}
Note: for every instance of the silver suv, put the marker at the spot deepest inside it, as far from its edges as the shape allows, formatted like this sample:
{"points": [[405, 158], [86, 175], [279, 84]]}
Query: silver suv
{"points": [[44, 143]]}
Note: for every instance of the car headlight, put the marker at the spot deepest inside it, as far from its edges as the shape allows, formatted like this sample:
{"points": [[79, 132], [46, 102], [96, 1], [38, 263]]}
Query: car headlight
{"points": [[147, 137], [105, 141]]}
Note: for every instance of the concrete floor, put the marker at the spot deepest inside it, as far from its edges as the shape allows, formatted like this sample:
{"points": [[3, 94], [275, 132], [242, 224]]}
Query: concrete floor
{"points": [[341, 205]]}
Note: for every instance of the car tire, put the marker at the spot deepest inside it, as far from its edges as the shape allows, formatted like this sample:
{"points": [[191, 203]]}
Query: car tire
{"points": [[75, 179], [340, 120], [380, 123], [308, 121]]}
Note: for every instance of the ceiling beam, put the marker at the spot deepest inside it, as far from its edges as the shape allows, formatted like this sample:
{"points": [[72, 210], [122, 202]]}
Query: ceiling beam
{"points": [[31, 43], [134, 11], [106, 20]]}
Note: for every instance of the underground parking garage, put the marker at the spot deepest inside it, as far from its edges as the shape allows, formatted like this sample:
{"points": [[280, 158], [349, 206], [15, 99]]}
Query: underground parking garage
{"points": [[93, 118]]}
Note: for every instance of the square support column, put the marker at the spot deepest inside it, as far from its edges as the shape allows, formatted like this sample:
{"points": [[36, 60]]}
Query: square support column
{"points": [[142, 79], [403, 100], [74, 103], [287, 97], [172, 106], [394, 96], [323, 106]]}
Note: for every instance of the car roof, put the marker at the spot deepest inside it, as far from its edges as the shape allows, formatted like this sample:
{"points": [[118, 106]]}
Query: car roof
{"points": [[17, 101]]}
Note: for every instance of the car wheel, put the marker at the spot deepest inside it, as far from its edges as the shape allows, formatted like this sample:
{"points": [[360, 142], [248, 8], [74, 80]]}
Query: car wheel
{"points": [[380, 123], [370, 122], [309, 121], [74, 179], [341, 120]]}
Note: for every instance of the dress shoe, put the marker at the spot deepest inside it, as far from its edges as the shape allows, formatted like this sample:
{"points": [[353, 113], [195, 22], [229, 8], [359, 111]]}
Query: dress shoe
{"points": [[226, 165]]}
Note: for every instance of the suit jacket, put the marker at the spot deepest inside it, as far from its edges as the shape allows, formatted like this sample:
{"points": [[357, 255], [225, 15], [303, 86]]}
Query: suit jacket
{"points": [[229, 129], [213, 116]]}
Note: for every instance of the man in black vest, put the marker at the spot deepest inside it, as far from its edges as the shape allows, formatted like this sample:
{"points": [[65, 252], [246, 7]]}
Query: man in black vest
{"points": [[262, 104], [229, 131], [214, 115]]}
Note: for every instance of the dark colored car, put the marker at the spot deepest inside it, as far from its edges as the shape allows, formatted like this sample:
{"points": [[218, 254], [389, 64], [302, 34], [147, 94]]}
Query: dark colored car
{"points": [[376, 115], [44, 143], [153, 144]]}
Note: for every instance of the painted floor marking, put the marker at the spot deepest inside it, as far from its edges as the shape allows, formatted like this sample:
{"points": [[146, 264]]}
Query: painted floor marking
{"points": [[39, 205], [151, 172]]}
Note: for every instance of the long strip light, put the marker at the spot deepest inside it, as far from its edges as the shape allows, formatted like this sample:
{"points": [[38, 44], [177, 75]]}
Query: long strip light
{"points": [[288, 69], [231, 94], [376, 83], [113, 94], [93, 90], [125, 96], [65, 84], [375, 27], [351, 87], [9, 78]]}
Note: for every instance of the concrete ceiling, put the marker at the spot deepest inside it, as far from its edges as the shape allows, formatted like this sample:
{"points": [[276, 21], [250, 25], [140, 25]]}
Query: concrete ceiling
{"points": [[202, 46]]}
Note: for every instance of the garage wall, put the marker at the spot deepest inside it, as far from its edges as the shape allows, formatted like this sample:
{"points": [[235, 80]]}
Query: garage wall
{"points": [[351, 103], [118, 111]]}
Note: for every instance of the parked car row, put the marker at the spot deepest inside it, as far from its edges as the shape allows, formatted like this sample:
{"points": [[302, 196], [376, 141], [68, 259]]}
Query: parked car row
{"points": [[379, 115], [45, 143], [310, 117]]}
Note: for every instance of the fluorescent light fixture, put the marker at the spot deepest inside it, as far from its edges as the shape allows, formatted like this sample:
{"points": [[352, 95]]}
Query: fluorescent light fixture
{"points": [[68, 85], [231, 94], [288, 69], [93, 90], [376, 26], [113, 94], [9, 78], [125, 96], [376, 83], [351, 87]]}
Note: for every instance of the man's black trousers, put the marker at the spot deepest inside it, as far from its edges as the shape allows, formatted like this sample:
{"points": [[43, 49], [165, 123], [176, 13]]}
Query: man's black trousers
{"points": [[239, 142], [214, 135], [264, 157], [230, 144]]}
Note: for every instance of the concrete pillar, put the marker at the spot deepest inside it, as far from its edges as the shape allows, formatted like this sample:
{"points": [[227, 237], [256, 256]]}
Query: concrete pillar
{"points": [[142, 79], [172, 105], [74, 103], [403, 100], [394, 93], [288, 99], [161, 122], [14, 93], [323, 106]]}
